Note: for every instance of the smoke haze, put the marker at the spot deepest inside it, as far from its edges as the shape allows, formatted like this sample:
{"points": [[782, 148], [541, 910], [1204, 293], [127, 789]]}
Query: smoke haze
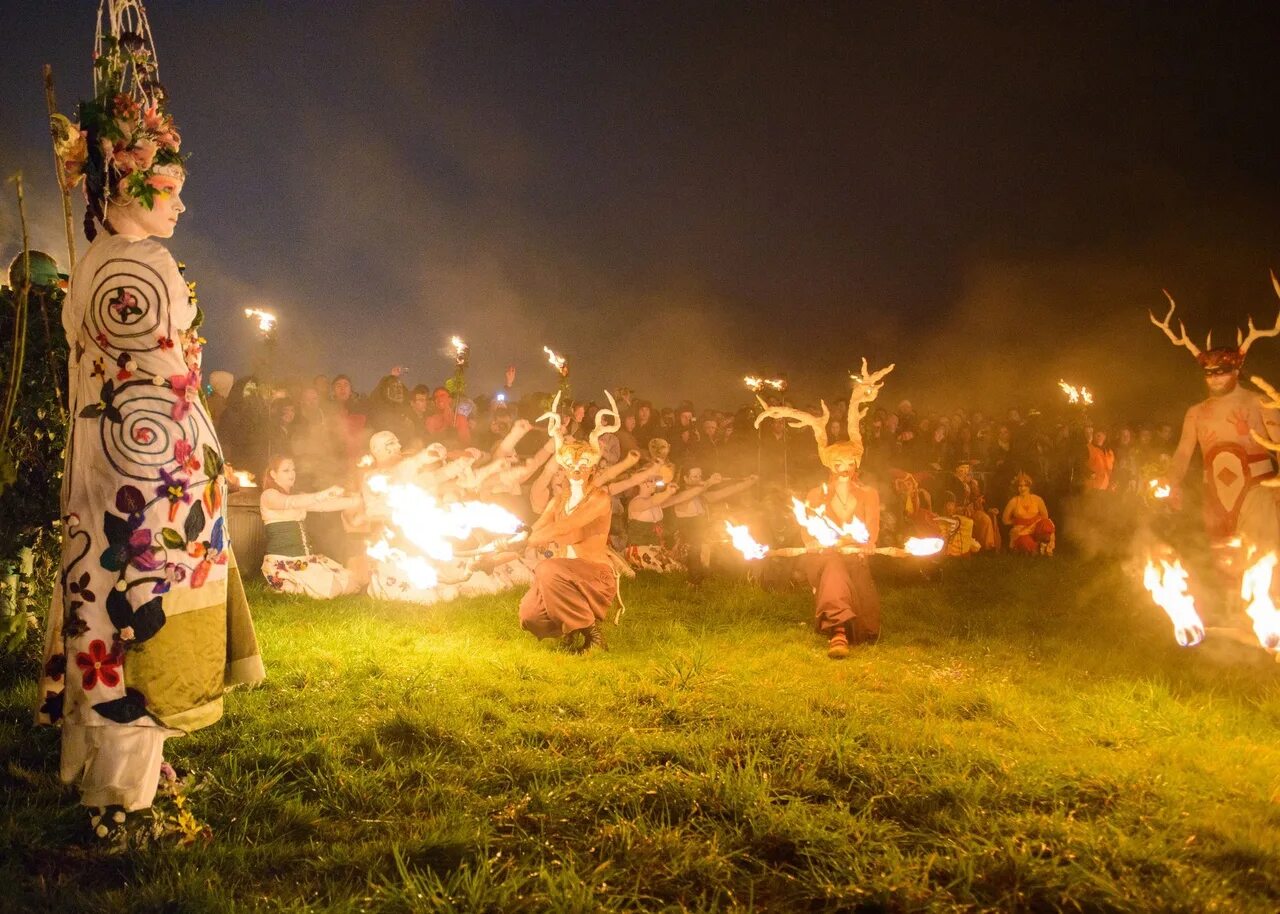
{"points": [[676, 196]]}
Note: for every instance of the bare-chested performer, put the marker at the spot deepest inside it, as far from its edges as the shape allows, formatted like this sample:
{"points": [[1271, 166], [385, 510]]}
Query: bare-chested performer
{"points": [[1223, 425]]}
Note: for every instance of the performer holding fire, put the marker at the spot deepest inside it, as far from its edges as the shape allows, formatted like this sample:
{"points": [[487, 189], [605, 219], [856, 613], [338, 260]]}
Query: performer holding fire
{"points": [[1224, 426], [574, 584], [841, 521], [150, 623]]}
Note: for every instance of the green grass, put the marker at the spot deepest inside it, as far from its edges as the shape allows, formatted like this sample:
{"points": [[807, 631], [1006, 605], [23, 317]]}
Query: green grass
{"points": [[1026, 736]]}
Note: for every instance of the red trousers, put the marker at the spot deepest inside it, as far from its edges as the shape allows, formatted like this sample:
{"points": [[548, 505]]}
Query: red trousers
{"points": [[567, 595], [844, 592], [1030, 542]]}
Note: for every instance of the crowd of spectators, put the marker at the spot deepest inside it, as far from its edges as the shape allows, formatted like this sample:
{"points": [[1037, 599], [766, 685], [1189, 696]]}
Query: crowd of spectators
{"points": [[959, 462]]}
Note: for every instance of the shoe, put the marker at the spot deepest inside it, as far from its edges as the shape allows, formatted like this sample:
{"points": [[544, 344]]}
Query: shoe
{"points": [[593, 639], [584, 640], [107, 826], [838, 645]]}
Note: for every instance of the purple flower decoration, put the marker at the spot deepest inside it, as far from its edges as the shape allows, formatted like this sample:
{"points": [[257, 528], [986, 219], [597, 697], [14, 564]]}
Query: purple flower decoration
{"points": [[174, 488]]}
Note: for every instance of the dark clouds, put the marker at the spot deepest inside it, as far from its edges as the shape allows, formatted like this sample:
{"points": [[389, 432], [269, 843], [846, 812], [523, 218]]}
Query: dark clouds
{"points": [[989, 195]]}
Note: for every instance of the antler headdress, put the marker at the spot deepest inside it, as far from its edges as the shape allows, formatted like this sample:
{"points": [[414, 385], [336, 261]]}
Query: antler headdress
{"points": [[126, 143], [866, 387], [1224, 356], [570, 451]]}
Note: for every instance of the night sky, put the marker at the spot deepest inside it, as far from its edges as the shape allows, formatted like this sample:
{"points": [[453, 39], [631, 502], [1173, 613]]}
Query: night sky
{"points": [[988, 194]]}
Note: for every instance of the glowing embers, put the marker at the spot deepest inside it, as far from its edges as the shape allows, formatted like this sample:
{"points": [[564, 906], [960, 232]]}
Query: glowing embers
{"points": [[826, 531], [1255, 590], [742, 540], [1159, 489], [1076, 395], [244, 479], [924, 546], [1167, 583]]}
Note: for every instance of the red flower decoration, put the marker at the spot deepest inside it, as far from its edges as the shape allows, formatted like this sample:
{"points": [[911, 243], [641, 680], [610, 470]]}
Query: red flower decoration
{"points": [[183, 453], [99, 665], [165, 342]]}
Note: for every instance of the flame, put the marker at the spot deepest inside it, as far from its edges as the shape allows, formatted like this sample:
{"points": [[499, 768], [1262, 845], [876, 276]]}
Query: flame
{"points": [[826, 531], [1159, 489], [429, 526], [460, 349], [557, 361], [931, 545], [1256, 588], [1076, 394], [244, 479], [365, 461], [742, 540], [266, 320], [414, 567], [1168, 587], [756, 385]]}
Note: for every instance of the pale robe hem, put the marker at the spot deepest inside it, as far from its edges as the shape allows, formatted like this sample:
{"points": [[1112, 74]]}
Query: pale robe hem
{"points": [[113, 766]]}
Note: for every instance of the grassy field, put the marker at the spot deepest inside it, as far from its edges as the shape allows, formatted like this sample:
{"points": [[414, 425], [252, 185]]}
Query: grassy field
{"points": [[1026, 736]]}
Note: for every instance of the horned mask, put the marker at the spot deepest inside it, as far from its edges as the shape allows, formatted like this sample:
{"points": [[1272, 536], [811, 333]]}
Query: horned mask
{"points": [[1222, 358], [866, 387], [575, 455]]}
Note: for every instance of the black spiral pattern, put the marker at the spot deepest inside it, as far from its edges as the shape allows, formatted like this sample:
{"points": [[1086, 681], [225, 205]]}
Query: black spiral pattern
{"points": [[142, 443], [129, 306]]}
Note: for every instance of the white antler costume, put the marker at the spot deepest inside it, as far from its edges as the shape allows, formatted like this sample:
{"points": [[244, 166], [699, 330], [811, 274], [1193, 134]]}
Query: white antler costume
{"points": [[841, 510]]}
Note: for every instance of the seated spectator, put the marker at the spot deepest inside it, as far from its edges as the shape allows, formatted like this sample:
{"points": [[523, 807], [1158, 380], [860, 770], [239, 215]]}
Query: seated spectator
{"points": [[290, 565]]}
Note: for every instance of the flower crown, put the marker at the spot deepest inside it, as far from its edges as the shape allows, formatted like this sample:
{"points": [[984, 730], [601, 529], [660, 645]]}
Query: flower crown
{"points": [[125, 143]]}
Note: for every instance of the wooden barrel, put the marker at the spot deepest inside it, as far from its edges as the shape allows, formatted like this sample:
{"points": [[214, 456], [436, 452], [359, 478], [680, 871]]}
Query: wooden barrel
{"points": [[244, 526]]}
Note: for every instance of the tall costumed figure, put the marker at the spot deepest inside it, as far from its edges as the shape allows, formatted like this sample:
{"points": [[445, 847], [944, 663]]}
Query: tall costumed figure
{"points": [[150, 624], [1238, 509], [840, 521]]}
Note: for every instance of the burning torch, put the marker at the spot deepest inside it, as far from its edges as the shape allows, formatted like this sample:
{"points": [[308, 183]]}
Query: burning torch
{"points": [[461, 354], [561, 365]]}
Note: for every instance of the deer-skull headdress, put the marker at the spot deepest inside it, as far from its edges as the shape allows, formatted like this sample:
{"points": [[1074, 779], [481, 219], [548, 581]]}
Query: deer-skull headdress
{"points": [[866, 387], [571, 453], [1223, 358]]}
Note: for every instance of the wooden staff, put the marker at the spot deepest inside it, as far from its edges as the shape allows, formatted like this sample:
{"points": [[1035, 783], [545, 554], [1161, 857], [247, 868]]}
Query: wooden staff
{"points": [[52, 106]]}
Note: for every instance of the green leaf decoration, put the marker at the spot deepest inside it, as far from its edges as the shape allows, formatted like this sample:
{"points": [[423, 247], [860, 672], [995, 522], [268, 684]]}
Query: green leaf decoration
{"points": [[212, 462], [193, 526], [124, 710], [172, 538]]}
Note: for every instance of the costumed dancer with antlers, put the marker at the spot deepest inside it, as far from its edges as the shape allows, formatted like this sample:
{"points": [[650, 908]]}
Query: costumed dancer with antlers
{"points": [[847, 608], [1226, 426], [153, 622], [574, 583]]}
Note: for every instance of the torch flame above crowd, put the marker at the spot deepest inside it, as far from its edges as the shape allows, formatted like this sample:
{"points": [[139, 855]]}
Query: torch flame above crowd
{"points": [[1076, 395], [555, 360], [266, 320]]}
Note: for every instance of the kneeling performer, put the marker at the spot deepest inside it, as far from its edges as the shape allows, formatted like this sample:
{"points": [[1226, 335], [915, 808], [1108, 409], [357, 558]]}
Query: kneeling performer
{"points": [[573, 584], [841, 521]]}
